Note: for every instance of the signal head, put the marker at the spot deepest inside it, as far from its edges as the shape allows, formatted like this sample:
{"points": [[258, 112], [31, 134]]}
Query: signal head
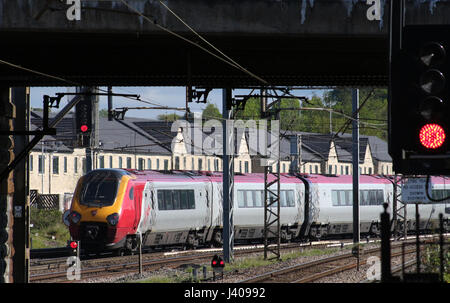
{"points": [[432, 136]]}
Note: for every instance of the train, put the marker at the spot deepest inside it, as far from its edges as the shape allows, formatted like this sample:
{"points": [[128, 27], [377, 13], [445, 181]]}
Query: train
{"points": [[114, 209]]}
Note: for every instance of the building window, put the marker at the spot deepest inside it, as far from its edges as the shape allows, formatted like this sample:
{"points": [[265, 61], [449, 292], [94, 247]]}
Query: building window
{"points": [[120, 162], [346, 170], [110, 162], [30, 163], [65, 164], [157, 164], [128, 162], [330, 169], [55, 165], [101, 161], [184, 163], [166, 164], [209, 164], [200, 164], [316, 168], [177, 163], [246, 166], [41, 164], [192, 163], [370, 170], [216, 164], [83, 165], [75, 165], [141, 164], [149, 163]]}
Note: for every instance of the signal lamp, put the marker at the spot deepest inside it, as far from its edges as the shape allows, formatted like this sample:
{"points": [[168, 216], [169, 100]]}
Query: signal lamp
{"points": [[432, 81], [73, 244], [432, 53], [431, 108], [217, 262], [432, 136], [84, 128]]}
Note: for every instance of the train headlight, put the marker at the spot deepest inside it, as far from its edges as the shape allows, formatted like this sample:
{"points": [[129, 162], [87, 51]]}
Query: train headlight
{"points": [[75, 217], [113, 219]]}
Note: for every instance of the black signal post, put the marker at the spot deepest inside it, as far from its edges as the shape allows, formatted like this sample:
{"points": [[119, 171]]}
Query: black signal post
{"points": [[83, 121], [419, 96]]}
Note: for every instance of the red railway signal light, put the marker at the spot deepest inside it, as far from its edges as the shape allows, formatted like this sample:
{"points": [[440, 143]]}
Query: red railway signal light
{"points": [[432, 136], [84, 128]]}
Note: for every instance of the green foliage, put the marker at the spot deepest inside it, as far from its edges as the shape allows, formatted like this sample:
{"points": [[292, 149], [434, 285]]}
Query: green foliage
{"points": [[169, 117], [48, 229], [373, 113], [211, 112], [431, 261]]}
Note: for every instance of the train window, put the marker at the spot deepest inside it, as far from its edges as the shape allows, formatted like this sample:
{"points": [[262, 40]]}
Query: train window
{"points": [[364, 197], [258, 197], [99, 189], [168, 199], [131, 193], [342, 198], [191, 197], [249, 198], [372, 197], [334, 198], [290, 198], [241, 199], [440, 194], [176, 199], [380, 197], [160, 200], [183, 199]]}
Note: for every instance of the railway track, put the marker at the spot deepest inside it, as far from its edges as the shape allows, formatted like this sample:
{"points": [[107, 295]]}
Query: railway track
{"points": [[93, 268], [318, 269]]}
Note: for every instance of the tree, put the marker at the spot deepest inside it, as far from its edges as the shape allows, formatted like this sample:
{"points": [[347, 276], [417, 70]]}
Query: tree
{"points": [[211, 112], [169, 117]]}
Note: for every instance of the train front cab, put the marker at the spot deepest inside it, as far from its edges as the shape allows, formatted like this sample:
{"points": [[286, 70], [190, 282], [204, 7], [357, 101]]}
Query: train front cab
{"points": [[103, 213]]}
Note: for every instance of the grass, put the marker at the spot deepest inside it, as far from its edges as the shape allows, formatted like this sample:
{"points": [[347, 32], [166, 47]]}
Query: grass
{"points": [[48, 231]]}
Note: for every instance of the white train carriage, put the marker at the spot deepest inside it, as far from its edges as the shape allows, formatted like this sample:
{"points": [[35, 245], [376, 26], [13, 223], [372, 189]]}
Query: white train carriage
{"points": [[249, 207], [333, 198], [185, 209]]}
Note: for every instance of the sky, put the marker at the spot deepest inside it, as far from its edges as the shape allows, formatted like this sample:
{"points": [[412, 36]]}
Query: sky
{"points": [[164, 96]]}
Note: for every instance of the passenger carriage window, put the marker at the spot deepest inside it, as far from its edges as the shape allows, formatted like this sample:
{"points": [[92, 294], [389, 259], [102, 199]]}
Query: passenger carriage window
{"points": [[283, 198], [342, 200], [290, 198], [168, 200], [161, 204], [334, 198], [249, 198], [258, 197], [349, 197], [372, 197], [380, 197], [184, 202], [176, 199], [191, 197], [241, 199]]}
